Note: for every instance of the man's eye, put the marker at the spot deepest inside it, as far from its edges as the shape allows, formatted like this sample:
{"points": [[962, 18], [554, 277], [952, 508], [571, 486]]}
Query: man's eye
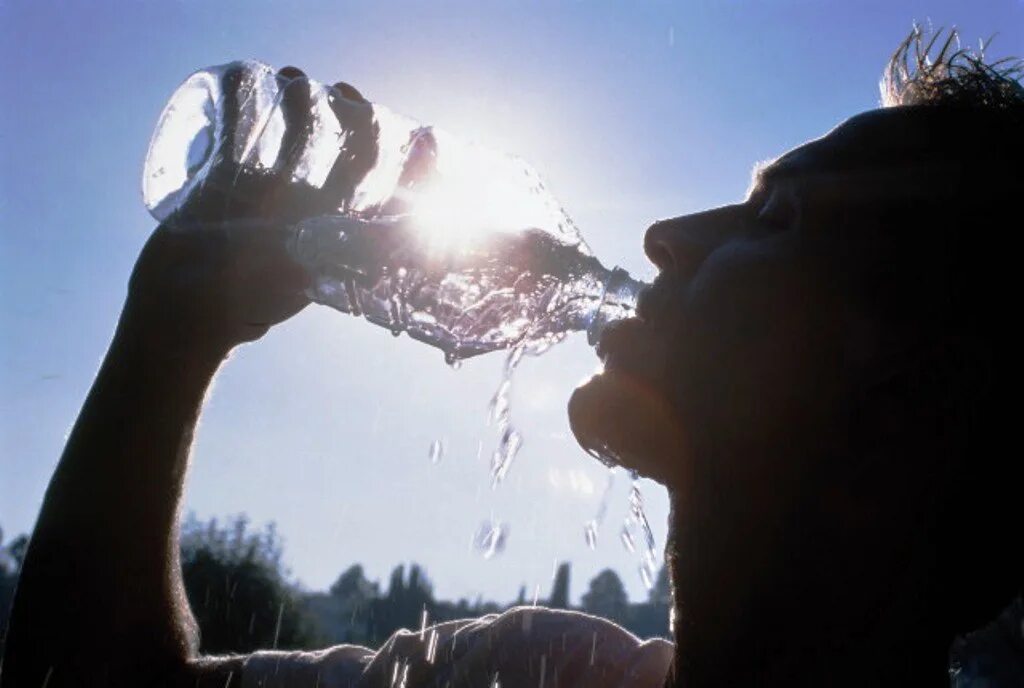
{"points": [[778, 213]]}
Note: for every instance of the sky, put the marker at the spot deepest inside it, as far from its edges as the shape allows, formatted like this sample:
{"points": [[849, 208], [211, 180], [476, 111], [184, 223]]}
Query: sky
{"points": [[631, 110]]}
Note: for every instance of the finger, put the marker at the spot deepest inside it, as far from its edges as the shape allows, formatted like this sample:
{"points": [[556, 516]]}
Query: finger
{"points": [[359, 149], [296, 108], [349, 91]]}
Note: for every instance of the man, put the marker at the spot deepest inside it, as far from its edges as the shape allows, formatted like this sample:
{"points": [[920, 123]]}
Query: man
{"points": [[816, 375]]}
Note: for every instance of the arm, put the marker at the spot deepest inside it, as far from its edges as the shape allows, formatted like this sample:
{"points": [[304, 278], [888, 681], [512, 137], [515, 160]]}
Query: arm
{"points": [[101, 600]]}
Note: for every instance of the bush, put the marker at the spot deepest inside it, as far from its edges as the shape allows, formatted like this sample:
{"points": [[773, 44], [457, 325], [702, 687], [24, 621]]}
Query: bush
{"points": [[239, 591]]}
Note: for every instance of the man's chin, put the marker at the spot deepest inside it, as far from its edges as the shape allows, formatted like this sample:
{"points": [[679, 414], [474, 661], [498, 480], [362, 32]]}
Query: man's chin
{"points": [[626, 421]]}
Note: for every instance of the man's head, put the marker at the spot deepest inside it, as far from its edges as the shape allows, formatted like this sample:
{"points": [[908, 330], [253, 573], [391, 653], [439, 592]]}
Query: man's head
{"points": [[816, 372]]}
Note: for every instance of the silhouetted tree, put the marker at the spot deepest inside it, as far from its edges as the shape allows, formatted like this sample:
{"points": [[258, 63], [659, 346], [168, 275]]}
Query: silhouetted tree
{"points": [[661, 593], [607, 597], [521, 597], [650, 619], [238, 589], [11, 557], [403, 605], [560, 590], [343, 613]]}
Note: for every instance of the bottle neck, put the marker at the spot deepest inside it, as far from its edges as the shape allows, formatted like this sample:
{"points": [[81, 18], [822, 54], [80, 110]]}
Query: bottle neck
{"points": [[617, 301]]}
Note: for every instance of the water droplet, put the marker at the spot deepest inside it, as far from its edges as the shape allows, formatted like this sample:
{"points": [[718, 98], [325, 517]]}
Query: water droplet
{"points": [[508, 447], [499, 407], [648, 552], [603, 455], [490, 538], [454, 364], [436, 452], [514, 357], [432, 646], [399, 675], [646, 577], [590, 534], [423, 623], [627, 538]]}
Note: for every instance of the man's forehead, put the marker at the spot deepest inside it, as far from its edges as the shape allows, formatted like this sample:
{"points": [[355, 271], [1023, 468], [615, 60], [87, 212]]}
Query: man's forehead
{"points": [[888, 138], [874, 138]]}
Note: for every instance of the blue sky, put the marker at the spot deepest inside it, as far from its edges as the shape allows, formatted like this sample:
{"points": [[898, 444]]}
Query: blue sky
{"points": [[632, 111]]}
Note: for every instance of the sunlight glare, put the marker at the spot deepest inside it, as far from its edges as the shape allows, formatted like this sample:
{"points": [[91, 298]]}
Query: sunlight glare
{"points": [[476, 192]]}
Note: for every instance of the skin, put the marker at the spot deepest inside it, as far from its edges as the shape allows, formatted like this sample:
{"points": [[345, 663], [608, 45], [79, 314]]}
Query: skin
{"points": [[806, 543]]}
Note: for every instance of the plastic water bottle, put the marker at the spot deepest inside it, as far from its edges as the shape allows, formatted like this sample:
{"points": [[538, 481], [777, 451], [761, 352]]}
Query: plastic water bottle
{"points": [[458, 245]]}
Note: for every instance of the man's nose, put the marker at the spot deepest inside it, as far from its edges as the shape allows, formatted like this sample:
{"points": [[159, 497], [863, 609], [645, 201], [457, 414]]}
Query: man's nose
{"points": [[681, 244]]}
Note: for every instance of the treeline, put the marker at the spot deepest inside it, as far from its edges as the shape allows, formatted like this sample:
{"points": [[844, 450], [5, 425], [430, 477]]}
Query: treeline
{"points": [[243, 598]]}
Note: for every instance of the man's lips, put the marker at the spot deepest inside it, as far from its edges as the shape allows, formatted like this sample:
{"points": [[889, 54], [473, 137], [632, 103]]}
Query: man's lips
{"points": [[625, 414], [640, 344], [622, 342]]}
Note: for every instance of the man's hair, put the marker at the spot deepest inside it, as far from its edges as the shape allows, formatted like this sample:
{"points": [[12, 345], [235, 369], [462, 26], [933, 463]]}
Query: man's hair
{"points": [[952, 76]]}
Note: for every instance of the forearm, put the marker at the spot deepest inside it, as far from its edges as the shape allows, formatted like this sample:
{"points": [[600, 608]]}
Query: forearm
{"points": [[100, 596]]}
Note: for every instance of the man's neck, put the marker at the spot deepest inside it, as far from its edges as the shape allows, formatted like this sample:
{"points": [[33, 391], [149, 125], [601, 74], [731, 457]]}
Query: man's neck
{"points": [[786, 633]]}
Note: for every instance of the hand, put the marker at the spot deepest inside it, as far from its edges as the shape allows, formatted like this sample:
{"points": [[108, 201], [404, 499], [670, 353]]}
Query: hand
{"points": [[214, 285], [219, 279]]}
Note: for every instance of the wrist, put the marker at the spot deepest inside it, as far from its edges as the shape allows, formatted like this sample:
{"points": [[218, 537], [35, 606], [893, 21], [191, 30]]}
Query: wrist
{"points": [[169, 342]]}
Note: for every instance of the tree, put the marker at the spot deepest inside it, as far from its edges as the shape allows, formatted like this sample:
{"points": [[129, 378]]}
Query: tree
{"points": [[352, 584], [11, 558], [661, 593], [403, 605], [650, 619], [560, 590], [238, 589], [607, 597], [343, 613]]}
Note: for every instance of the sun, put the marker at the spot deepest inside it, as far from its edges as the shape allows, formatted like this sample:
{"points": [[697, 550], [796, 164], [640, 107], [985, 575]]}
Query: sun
{"points": [[475, 192]]}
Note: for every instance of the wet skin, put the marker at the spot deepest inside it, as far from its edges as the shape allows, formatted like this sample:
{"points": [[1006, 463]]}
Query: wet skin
{"points": [[740, 387]]}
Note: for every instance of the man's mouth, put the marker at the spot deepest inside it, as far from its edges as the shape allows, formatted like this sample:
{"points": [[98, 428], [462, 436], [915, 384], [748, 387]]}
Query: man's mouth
{"points": [[624, 414], [640, 344]]}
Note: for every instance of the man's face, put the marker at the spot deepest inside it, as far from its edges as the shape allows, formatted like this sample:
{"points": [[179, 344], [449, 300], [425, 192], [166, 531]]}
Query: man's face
{"points": [[736, 385]]}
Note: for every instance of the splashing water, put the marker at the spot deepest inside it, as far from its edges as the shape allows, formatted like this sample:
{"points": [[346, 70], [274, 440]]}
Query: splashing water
{"points": [[590, 533], [500, 414], [499, 410], [436, 452], [490, 538], [627, 539], [501, 460], [399, 674], [432, 646], [637, 520], [590, 528], [423, 623]]}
